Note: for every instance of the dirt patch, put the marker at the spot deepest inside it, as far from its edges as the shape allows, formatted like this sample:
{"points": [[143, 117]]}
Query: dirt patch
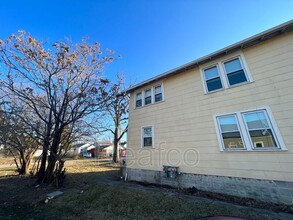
{"points": [[240, 200], [226, 198]]}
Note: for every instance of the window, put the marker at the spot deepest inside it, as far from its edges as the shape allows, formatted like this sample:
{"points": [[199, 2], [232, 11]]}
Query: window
{"points": [[230, 132], [225, 74], [235, 72], [259, 129], [213, 80], [148, 97], [147, 136], [158, 94], [138, 100], [248, 130]]}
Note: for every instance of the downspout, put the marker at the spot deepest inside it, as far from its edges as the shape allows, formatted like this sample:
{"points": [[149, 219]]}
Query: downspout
{"points": [[126, 162], [127, 141]]}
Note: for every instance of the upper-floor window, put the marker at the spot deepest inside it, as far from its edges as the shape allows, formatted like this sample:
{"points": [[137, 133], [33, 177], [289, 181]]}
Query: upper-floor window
{"points": [[235, 72], [158, 93], [248, 130], [213, 79], [149, 96], [138, 100], [225, 74]]}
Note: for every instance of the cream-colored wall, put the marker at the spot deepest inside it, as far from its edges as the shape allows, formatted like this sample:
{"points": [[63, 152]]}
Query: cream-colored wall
{"points": [[184, 129]]}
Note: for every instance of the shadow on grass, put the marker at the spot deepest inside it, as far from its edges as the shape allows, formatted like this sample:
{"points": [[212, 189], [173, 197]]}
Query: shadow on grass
{"points": [[96, 192], [22, 198]]}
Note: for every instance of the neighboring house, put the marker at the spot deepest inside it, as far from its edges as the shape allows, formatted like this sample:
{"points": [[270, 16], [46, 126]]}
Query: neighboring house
{"points": [[106, 149], [82, 147], [222, 123]]}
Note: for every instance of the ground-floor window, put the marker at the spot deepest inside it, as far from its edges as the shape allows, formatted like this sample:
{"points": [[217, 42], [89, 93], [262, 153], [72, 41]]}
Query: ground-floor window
{"points": [[248, 130], [147, 137]]}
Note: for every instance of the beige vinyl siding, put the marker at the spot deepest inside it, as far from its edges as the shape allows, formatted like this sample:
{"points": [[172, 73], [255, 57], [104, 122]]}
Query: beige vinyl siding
{"points": [[183, 122]]}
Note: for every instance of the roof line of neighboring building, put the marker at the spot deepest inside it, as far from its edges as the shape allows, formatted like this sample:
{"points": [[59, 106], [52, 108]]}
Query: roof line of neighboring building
{"points": [[253, 40]]}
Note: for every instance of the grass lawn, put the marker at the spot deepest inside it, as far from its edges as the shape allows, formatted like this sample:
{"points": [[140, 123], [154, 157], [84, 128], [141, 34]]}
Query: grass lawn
{"points": [[92, 191]]}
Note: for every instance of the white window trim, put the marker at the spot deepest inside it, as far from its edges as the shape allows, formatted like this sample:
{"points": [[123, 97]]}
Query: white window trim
{"points": [[204, 78], [152, 95], [222, 72], [162, 89], [135, 94], [244, 131], [240, 131], [153, 136]]}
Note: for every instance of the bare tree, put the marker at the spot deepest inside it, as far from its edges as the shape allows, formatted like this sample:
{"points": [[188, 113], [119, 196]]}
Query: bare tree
{"points": [[60, 83], [17, 136], [115, 115]]}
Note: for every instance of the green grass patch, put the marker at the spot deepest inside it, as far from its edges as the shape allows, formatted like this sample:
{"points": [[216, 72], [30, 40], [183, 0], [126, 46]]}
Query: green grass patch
{"points": [[114, 202]]}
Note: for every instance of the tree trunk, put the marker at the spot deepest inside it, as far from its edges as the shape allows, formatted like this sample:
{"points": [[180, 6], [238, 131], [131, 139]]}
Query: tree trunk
{"points": [[24, 168], [25, 161], [41, 172], [116, 158], [49, 175], [116, 153]]}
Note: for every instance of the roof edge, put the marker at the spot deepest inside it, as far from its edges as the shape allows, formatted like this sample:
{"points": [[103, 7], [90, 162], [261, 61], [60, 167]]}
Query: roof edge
{"points": [[248, 42]]}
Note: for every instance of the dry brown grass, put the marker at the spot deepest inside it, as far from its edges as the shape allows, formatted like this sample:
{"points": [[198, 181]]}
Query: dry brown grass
{"points": [[7, 166], [91, 192], [6, 161], [87, 166]]}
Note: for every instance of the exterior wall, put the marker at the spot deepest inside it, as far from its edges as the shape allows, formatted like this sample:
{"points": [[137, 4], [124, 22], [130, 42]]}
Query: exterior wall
{"points": [[184, 128]]}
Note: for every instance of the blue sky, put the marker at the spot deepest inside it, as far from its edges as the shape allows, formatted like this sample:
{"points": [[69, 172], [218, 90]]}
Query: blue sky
{"points": [[152, 36]]}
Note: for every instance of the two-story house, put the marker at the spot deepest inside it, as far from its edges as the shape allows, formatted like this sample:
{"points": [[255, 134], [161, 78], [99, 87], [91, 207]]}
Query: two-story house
{"points": [[221, 123]]}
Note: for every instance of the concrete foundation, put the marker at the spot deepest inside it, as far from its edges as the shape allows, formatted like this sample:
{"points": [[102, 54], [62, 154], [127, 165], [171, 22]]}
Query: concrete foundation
{"points": [[264, 190]]}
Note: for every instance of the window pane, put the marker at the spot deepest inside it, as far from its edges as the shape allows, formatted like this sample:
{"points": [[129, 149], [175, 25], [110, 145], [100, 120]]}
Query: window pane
{"points": [[147, 132], [211, 73], [148, 100], [230, 132], [262, 138], [147, 142], [158, 97], [148, 93], [260, 130], [214, 84], [233, 65], [236, 77], [138, 96], [138, 103], [256, 120], [232, 140], [158, 90], [228, 123]]}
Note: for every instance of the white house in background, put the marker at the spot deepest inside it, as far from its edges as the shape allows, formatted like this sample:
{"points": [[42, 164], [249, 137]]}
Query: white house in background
{"points": [[222, 123], [82, 147], [106, 148]]}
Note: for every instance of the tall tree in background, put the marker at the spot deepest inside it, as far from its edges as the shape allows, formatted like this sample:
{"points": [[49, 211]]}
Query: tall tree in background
{"points": [[60, 84], [115, 115]]}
